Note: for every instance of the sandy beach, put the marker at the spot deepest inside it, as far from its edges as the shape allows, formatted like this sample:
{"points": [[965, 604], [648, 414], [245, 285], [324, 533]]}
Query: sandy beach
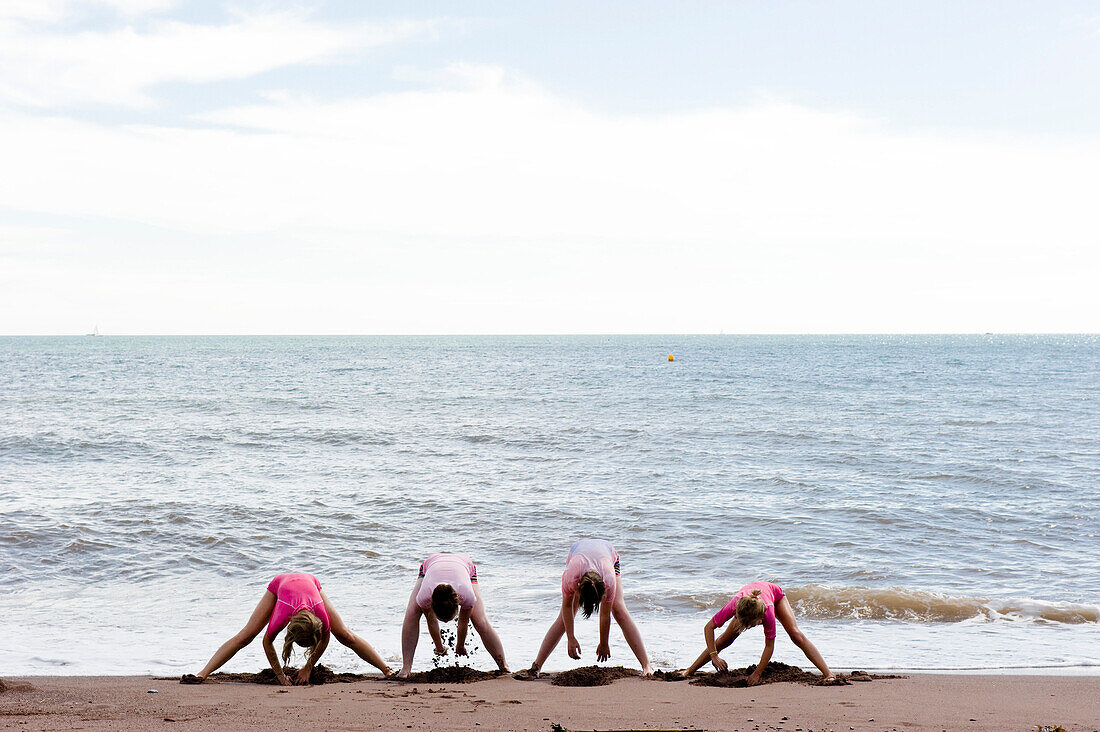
{"points": [[934, 702]]}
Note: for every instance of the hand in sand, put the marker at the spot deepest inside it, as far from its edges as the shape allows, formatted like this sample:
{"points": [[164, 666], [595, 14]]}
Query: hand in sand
{"points": [[460, 650], [283, 680], [647, 671], [753, 679], [440, 650], [302, 678], [603, 652], [574, 648], [719, 665]]}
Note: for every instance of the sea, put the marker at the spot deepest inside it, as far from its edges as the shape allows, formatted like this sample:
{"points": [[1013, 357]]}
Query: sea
{"points": [[928, 503]]}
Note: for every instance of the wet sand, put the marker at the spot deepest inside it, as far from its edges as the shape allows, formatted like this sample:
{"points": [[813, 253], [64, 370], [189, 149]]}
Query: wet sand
{"points": [[919, 702]]}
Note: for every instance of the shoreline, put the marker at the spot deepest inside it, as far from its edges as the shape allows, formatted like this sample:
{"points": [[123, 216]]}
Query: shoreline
{"points": [[918, 701]]}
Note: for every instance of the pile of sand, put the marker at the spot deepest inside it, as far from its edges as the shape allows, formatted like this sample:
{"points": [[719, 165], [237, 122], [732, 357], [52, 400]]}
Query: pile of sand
{"points": [[592, 675], [321, 674], [451, 675], [775, 673]]}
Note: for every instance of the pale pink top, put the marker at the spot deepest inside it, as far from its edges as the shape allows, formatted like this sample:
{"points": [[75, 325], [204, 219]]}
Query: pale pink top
{"points": [[455, 570], [294, 592], [589, 555], [769, 593]]}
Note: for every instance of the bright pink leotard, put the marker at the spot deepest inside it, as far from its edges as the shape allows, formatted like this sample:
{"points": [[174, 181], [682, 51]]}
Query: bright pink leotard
{"points": [[294, 592], [769, 593], [589, 555], [456, 570]]}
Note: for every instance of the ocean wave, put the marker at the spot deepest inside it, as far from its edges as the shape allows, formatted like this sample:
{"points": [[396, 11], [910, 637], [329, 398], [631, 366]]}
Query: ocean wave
{"points": [[825, 602]]}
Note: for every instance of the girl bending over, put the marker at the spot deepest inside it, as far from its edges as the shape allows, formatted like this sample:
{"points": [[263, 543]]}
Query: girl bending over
{"points": [[759, 602]]}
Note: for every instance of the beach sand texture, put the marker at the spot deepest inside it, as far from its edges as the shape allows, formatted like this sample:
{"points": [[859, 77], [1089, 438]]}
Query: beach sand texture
{"points": [[919, 702]]}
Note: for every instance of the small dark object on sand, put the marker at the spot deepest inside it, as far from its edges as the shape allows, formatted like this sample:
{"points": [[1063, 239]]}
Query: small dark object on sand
{"points": [[320, 675], [3, 688], [451, 675], [592, 676], [190, 679]]}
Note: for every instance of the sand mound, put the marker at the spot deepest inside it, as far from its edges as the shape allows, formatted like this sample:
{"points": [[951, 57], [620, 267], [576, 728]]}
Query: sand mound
{"points": [[451, 675], [321, 675], [660, 675], [774, 673], [592, 676], [777, 672]]}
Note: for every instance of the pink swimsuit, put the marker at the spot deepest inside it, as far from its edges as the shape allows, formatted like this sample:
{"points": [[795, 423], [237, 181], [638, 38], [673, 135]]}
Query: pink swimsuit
{"points": [[455, 570], [589, 555], [294, 592], [769, 593]]}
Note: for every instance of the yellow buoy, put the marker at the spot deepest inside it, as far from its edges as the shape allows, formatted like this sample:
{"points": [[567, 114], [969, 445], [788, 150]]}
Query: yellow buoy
{"points": [[670, 358]]}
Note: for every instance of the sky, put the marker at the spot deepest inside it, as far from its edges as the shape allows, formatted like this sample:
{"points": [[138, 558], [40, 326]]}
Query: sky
{"points": [[173, 167]]}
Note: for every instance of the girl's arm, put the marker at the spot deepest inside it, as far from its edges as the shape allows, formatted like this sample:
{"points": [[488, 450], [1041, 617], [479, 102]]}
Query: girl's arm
{"points": [[433, 631], [712, 649], [603, 650], [567, 619], [769, 646], [305, 671], [463, 625], [273, 659]]}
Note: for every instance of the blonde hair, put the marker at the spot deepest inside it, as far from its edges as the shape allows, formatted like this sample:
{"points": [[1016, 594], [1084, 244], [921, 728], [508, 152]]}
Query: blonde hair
{"points": [[305, 629], [751, 609]]}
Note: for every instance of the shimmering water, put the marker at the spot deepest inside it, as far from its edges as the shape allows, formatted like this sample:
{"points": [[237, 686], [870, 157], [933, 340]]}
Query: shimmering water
{"points": [[928, 502]]}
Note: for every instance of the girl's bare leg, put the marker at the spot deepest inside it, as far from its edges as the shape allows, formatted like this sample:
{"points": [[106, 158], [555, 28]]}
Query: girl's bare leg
{"points": [[255, 624], [785, 615], [344, 634], [553, 635], [721, 643], [488, 636], [630, 630]]}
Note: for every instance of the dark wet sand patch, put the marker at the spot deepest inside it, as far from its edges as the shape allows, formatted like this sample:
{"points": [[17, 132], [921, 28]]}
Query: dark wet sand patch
{"points": [[320, 675], [592, 675], [777, 673], [451, 675]]}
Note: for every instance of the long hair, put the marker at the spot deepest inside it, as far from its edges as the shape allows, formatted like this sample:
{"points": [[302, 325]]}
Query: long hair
{"points": [[591, 589], [305, 629]]}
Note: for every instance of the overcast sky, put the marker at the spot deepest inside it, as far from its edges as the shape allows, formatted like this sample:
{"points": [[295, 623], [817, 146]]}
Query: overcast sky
{"points": [[560, 167]]}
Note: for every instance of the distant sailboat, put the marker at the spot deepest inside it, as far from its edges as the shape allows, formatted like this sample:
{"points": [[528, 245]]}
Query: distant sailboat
{"points": [[95, 330]]}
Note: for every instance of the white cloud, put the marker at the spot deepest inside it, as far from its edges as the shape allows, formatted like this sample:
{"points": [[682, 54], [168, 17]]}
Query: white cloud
{"points": [[51, 11], [492, 205], [49, 67]]}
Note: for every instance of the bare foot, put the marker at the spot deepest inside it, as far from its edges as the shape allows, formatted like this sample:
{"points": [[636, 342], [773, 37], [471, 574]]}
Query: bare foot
{"points": [[526, 674], [403, 674], [647, 671]]}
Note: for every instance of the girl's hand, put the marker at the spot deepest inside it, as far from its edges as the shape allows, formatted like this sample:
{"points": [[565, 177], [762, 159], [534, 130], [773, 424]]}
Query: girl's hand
{"points": [[440, 649], [603, 652], [753, 679], [303, 676], [719, 664], [460, 650], [574, 648], [283, 680]]}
